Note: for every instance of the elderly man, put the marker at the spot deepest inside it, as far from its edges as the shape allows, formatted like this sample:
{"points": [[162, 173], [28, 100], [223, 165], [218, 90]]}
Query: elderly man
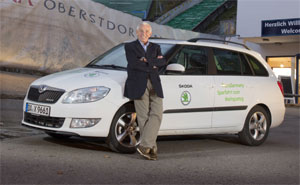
{"points": [[144, 87]]}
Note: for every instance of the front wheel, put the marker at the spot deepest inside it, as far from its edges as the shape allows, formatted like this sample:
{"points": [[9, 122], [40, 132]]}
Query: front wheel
{"points": [[124, 132], [256, 127]]}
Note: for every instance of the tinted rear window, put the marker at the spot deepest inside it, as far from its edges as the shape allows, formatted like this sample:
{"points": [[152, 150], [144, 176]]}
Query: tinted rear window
{"points": [[257, 67], [227, 62], [246, 70]]}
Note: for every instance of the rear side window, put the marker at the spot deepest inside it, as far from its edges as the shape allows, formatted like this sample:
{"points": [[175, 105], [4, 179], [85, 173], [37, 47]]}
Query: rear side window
{"points": [[257, 67], [246, 70], [227, 62]]}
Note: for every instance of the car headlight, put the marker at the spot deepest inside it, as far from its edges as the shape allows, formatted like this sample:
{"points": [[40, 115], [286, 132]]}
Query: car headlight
{"points": [[86, 95]]}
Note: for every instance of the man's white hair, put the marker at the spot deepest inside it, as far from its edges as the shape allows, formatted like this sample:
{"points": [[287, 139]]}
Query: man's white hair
{"points": [[145, 24]]}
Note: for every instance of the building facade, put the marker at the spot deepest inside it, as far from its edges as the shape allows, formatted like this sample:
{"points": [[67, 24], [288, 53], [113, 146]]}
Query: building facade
{"points": [[274, 28]]}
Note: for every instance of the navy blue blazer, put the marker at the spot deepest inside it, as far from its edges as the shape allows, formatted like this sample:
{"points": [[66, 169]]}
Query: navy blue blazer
{"points": [[138, 71]]}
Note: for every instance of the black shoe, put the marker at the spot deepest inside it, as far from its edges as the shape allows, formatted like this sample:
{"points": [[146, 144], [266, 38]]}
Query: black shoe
{"points": [[144, 151]]}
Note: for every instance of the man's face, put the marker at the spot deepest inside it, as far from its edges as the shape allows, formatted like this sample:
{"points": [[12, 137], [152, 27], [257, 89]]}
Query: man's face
{"points": [[144, 33]]}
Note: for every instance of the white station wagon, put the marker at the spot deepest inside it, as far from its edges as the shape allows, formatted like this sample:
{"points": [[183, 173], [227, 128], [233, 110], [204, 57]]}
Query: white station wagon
{"points": [[209, 88]]}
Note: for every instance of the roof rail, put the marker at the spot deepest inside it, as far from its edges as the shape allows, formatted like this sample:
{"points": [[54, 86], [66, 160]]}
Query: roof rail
{"points": [[219, 40]]}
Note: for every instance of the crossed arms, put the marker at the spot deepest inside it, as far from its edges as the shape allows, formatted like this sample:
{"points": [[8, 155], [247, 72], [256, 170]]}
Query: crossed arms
{"points": [[145, 64]]}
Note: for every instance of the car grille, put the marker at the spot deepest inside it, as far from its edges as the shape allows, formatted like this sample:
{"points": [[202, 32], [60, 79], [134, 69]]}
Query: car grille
{"points": [[49, 95], [53, 122]]}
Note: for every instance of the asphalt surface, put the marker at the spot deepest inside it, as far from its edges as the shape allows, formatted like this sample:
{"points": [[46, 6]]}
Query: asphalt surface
{"points": [[32, 157], [10, 120]]}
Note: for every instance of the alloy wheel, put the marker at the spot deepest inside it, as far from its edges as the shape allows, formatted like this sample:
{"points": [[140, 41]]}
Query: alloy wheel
{"points": [[127, 130], [258, 126]]}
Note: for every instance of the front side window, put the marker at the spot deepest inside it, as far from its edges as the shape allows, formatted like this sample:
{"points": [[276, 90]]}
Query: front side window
{"points": [[193, 58], [257, 67], [227, 62]]}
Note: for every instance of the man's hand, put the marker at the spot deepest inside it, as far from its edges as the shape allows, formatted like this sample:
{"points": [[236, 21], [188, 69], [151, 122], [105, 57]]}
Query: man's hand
{"points": [[159, 57], [143, 59]]}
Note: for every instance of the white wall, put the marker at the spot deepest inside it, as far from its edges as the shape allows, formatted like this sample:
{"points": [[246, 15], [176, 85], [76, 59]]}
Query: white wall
{"points": [[56, 35], [267, 50], [285, 49], [250, 13]]}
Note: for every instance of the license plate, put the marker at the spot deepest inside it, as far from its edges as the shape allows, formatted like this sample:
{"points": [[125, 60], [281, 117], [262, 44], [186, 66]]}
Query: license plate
{"points": [[37, 109]]}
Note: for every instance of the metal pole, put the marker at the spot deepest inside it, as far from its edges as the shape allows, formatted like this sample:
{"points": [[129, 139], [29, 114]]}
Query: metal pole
{"points": [[297, 76]]}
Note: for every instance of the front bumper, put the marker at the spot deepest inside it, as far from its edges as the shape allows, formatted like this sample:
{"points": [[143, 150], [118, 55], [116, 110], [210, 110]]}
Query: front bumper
{"points": [[52, 131], [61, 116]]}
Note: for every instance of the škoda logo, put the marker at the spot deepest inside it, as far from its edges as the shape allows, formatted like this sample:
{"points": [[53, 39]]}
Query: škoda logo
{"points": [[19, 1]]}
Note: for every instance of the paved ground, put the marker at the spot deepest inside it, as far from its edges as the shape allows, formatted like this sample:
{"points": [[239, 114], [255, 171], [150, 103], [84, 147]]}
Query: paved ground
{"points": [[10, 119], [31, 157]]}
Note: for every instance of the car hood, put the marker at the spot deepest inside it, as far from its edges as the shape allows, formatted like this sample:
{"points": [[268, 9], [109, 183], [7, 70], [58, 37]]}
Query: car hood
{"points": [[83, 77]]}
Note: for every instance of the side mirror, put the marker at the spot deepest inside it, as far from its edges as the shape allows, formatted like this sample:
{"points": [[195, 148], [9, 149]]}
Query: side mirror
{"points": [[175, 68]]}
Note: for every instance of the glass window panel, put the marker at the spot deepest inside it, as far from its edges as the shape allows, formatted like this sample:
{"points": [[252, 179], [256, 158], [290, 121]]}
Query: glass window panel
{"points": [[246, 70], [194, 59], [258, 68], [227, 62]]}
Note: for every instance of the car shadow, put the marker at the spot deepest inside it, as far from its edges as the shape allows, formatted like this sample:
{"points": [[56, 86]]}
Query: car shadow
{"points": [[99, 144], [196, 143], [233, 139]]}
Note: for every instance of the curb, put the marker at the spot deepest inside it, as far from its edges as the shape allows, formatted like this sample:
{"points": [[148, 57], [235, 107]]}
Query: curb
{"points": [[12, 96], [292, 105]]}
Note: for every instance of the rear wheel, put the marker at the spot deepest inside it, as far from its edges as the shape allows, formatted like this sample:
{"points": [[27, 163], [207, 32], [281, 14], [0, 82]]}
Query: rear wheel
{"points": [[124, 132], [256, 127]]}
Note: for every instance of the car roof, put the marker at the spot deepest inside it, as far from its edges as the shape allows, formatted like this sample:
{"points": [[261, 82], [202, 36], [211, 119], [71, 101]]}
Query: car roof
{"points": [[207, 44], [212, 44]]}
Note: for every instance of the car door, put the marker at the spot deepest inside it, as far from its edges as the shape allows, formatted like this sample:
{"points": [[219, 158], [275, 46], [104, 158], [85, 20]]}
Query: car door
{"points": [[188, 95], [233, 88]]}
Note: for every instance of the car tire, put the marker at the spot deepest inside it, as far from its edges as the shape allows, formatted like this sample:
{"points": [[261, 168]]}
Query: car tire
{"points": [[256, 127], [58, 136], [124, 133]]}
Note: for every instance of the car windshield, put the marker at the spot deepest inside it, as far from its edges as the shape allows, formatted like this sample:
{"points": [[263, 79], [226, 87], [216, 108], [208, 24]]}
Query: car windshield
{"points": [[116, 59]]}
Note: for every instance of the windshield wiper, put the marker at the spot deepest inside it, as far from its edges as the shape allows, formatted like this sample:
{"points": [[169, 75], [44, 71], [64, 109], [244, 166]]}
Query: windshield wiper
{"points": [[113, 66], [106, 66], [92, 65]]}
